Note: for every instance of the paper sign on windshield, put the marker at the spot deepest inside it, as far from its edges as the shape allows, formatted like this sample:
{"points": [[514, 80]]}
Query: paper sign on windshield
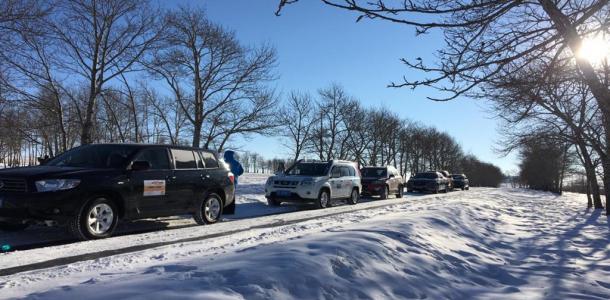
{"points": [[154, 187]]}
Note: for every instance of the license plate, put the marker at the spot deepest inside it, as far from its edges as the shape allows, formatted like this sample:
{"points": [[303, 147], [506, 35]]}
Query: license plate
{"points": [[283, 193]]}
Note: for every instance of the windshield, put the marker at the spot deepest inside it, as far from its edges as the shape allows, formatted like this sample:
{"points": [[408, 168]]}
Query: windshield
{"points": [[374, 172], [95, 156], [308, 169], [457, 176], [426, 175]]}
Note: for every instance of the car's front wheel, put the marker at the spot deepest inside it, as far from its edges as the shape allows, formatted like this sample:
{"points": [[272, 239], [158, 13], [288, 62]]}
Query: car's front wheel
{"points": [[6, 226], [96, 220], [323, 200], [209, 210], [355, 196]]}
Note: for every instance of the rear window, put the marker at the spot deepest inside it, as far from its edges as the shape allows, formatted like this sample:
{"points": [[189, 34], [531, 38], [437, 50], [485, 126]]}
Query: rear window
{"points": [[345, 171], [374, 172], [427, 175], [209, 159], [184, 159]]}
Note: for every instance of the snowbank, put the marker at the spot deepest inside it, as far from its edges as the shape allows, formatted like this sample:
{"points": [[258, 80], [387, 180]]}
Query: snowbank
{"points": [[485, 243]]}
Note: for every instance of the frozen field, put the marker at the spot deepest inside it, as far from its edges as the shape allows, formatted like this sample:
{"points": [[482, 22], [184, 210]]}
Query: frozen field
{"points": [[483, 243]]}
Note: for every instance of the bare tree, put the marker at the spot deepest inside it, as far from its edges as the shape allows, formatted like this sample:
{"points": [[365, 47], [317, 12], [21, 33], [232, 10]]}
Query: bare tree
{"points": [[102, 40], [296, 119], [208, 70]]}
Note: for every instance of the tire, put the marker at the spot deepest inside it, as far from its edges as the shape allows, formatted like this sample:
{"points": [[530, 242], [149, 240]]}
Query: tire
{"points": [[354, 197], [467, 188], [385, 193], [323, 200], [273, 202], [401, 191], [97, 219], [13, 227], [230, 209], [209, 209], [463, 188]]}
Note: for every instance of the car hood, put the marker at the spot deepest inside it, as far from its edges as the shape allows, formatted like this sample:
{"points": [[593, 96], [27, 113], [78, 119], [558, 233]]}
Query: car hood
{"points": [[295, 177], [49, 171]]}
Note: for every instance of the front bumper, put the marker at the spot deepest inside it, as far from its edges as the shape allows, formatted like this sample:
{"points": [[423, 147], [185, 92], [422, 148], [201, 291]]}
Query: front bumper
{"points": [[28, 207], [425, 188]]}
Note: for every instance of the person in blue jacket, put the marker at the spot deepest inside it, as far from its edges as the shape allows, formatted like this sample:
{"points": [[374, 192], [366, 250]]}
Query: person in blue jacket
{"points": [[234, 165]]}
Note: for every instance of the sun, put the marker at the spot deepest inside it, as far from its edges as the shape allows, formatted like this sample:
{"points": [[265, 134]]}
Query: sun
{"points": [[595, 49]]}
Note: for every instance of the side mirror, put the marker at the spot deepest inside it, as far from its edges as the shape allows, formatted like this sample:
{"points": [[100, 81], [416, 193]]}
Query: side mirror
{"points": [[140, 165]]}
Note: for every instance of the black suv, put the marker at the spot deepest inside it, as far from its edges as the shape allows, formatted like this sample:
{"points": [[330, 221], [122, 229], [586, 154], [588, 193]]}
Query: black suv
{"points": [[428, 181], [460, 181], [91, 187]]}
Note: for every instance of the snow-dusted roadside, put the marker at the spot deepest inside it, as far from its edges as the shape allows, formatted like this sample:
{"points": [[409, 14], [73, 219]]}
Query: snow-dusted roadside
{"points": [[485, 243]]}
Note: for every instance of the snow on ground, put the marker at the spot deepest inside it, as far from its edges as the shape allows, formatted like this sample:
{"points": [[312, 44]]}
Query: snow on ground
{"points": [[482, 243]]}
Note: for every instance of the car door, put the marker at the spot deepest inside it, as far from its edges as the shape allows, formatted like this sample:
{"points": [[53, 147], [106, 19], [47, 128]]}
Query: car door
{"points": [[186, 180], [336, 182], [211, 175], [346, 184], [149, 186]]}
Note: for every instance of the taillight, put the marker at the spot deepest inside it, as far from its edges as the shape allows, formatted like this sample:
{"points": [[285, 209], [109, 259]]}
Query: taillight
{"points": [[231, 178]]}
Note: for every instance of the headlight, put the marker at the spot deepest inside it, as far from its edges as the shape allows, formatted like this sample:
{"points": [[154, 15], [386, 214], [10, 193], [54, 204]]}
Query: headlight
{"points": [[307, 182], [50, 185]]}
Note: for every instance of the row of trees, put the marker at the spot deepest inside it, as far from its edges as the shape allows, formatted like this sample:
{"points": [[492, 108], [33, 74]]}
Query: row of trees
{"points": [[334, 125], [525, 56], [81, 71]]}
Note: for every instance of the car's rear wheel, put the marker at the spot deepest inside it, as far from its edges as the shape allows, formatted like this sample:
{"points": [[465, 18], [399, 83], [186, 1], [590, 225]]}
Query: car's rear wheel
{"points": [[323, 200], [385, 193], [6, 226], [209, 210], [401, 191], [96, 220], [273, 202], [354, 197]]}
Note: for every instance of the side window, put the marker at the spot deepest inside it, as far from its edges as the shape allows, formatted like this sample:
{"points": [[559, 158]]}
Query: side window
{"points": [[209, 159], [156, 157], [352, 172], [344, 171], [336, 172], [184, 159]]}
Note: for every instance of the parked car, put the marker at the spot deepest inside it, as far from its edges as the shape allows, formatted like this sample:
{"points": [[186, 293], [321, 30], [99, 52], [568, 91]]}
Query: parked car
{"points": [[460, 181], [382, 181], [430, 181], [319, 182], [90, 188], [449, 180]]}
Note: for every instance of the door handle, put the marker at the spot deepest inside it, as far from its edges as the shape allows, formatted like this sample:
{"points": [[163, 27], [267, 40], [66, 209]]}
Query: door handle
{"points": [[206, 176]]}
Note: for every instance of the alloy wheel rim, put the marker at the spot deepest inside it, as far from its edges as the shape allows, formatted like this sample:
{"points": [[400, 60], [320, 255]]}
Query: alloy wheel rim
{"points": [[324, 199], [212, 209], [100, 218]]}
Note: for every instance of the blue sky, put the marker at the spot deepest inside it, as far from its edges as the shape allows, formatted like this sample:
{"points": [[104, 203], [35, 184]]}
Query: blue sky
{"points": [[318, 45]]}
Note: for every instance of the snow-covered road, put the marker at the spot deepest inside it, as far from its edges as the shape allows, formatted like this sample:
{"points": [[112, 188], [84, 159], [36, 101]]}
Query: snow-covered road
{"points": [[483, 243]]}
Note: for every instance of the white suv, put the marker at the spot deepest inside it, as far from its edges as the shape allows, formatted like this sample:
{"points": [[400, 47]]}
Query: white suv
{"points": [[320, 182]]}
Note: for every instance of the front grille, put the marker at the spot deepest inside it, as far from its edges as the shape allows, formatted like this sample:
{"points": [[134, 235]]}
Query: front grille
{"points": [[13, 185], [285, 182]]}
